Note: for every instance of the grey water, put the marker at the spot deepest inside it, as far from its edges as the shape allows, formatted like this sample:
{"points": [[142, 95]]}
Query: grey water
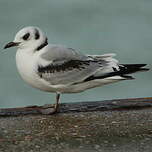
{"points": [[90, 26]]}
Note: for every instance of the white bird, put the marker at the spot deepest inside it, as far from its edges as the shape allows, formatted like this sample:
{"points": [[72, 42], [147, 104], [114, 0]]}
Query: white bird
{"points": [[56, 68]]}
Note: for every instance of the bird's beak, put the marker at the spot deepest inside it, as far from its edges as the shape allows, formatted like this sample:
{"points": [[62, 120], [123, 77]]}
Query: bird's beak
{"points": [[11, 44]]}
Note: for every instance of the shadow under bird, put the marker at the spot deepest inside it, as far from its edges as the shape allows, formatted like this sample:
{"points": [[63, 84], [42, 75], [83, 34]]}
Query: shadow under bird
{"points": [[56, 68]]}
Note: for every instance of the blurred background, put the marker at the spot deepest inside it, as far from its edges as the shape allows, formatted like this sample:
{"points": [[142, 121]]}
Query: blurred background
{"points": [[90, 26]]}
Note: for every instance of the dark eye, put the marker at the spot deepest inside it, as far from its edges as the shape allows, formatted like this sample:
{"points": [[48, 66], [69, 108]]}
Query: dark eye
{"points": [[26, 36], [37, 35]]}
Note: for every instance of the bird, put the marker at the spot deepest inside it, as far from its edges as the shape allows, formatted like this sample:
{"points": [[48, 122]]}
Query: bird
{"points": [[59, 69]]}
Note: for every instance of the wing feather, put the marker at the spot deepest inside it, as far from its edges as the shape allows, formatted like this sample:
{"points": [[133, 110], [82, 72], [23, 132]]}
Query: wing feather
{"points": [[72, 71], [67, 66]]}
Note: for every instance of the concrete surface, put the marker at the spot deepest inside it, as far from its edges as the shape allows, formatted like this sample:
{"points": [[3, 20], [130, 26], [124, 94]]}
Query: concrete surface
{"points": [[106, 131]]}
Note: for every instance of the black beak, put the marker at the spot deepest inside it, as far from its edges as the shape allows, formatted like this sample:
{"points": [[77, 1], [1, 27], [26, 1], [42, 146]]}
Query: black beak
{"points": [[11, 44]]}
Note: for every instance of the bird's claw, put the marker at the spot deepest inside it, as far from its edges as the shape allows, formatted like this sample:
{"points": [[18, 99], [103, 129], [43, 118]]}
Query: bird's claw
{"points": [[49, 110]]}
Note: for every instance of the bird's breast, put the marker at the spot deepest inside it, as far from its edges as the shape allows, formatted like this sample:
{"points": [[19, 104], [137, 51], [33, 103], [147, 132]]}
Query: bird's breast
{"points": [[27, 67]]}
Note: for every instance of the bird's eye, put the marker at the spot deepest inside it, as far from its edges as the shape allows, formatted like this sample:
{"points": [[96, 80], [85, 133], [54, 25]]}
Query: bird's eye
{"points": [[26, 36]]}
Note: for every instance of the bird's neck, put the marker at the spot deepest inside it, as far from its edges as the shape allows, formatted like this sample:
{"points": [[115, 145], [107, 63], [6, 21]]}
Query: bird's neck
{"points": [[42, 45]]}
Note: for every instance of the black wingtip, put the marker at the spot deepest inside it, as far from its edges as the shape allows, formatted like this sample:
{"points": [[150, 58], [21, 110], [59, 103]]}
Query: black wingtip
{"points": [[124, 70], [144, 69], [131, 68], [134, 65]]}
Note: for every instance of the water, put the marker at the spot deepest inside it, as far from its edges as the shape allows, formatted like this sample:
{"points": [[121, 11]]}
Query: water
{"points": [[94, 27]]}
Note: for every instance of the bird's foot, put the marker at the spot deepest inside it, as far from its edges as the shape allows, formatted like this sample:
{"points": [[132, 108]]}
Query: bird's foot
{"points": [[49, 109]]}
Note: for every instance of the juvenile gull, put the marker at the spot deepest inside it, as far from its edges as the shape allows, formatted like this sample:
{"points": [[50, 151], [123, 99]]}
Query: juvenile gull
{"points": [[56, 68]]}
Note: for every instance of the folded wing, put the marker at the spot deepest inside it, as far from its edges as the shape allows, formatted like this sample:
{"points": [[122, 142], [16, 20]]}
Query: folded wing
{"points": [[65, 66]]}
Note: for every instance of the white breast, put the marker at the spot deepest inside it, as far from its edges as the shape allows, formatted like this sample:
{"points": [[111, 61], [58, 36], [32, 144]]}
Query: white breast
{"points": [[27, 66]]}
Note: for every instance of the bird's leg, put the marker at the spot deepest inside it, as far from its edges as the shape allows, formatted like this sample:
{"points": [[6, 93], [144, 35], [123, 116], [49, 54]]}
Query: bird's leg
{"points": [[47, 110], [56, 106]]}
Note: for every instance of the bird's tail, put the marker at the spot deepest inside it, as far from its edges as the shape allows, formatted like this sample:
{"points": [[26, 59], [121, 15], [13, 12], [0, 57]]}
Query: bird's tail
{"points": [[112, 69], [122, 73], [126, 69]]}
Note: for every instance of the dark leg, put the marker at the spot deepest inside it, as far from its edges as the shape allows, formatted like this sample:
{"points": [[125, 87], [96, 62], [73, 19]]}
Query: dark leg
{"points": [[47, 110], [56, 106]]}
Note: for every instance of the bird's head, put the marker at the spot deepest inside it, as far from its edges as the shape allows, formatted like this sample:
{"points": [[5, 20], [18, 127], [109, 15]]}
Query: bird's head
{"points": [[30, 38]]}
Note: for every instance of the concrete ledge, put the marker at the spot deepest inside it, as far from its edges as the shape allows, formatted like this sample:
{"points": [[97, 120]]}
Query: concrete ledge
{"points": [[122, 129], [119, 104]]}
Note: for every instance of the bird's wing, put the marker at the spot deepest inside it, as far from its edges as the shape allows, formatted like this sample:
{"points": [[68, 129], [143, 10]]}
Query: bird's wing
{"points": [[66, 66], [59, 52], [112, 64]]}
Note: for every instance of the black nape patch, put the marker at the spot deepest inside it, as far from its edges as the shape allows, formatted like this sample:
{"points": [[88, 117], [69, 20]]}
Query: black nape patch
{"points": [[26, 36], [45, 43], [37, 34]]}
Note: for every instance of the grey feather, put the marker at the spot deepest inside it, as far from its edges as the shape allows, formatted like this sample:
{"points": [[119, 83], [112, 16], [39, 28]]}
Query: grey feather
{"points": [[69, 67]]}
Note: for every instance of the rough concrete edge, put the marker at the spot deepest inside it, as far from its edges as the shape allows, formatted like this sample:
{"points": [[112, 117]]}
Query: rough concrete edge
{"points": [[106, 105]]}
